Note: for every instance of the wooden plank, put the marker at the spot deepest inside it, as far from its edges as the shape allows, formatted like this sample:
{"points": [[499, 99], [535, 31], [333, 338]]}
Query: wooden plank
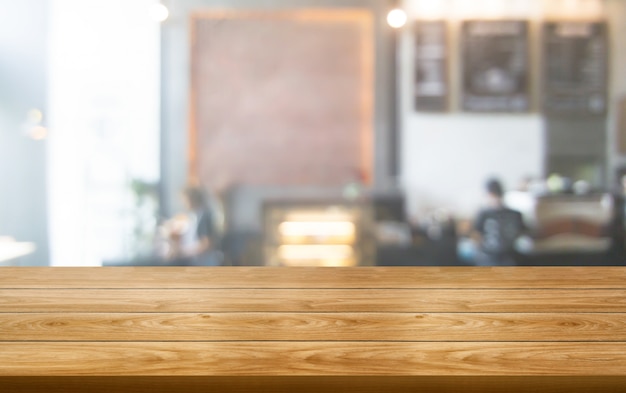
{"points": [[385, 322], [313, 327], [312, 300], [308, 358], [337, 278], [315, 384]]}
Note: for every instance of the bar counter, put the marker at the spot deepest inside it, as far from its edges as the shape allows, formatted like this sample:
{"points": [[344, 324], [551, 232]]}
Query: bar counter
{"points": [[369, 329]]}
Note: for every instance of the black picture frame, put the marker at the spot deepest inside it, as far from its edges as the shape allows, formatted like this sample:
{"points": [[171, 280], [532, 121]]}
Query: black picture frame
{"points": [[431, 74], [495, 70], [575, 67]]}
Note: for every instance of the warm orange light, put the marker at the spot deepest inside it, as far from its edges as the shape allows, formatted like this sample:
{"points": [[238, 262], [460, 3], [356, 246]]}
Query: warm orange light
{"points": [[334, 215], [317, 255], [317, 228]]}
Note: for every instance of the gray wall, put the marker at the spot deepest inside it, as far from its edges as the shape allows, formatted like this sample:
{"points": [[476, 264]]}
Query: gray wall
{"points": [[175, 84], [23, 28], [576, 148], [616, 11]]}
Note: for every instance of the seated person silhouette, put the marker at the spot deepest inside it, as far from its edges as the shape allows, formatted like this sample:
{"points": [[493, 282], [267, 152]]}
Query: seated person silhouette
{"points": [[192, 237], [496, 229]]}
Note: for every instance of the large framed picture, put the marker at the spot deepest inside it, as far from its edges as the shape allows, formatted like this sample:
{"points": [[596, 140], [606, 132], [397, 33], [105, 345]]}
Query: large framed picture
{"points": [[281, 98]]}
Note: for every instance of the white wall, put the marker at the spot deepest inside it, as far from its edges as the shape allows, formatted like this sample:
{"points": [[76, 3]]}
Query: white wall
{"points": [[446, 159]]}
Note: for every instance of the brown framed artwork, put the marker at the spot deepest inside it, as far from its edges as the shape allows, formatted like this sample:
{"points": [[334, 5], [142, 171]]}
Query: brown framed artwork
{"points": [[281, 98]]}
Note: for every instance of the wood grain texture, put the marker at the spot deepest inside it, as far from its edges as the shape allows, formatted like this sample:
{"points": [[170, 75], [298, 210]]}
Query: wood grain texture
{"points": [[311, 358], [313, 327], [220, 328], [313, 300], [330, 278]]}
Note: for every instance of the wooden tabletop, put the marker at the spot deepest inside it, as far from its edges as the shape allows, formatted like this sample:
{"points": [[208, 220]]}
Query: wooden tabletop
{"points": [[301, 328]]}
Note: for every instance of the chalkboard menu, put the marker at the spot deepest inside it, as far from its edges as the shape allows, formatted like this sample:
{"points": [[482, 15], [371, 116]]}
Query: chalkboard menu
{"points": [[495, 66], [431, 66], [575, 67]]}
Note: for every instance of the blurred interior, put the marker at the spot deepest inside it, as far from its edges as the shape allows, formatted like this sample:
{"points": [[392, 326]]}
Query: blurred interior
{"points": [[325, 133]]}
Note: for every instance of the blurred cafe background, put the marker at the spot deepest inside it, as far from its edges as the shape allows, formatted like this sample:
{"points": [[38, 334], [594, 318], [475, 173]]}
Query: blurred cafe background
{"points": [[309, 132]]}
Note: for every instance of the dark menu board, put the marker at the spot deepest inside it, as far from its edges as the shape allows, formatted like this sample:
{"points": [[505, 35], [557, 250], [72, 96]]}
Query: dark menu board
{"points": [[495, 66], [575, 67], [431, 66]]}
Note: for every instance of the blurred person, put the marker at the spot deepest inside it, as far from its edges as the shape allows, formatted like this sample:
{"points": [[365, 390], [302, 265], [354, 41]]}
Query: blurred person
{"points": [[193, 236], [497, 229]]}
